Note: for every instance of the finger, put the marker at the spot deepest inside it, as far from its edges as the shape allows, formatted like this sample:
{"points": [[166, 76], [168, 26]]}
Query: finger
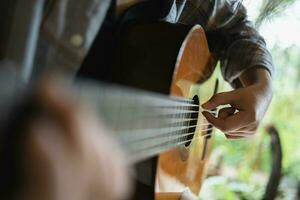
{"points": [[233, 137], [230, 123], [247, 130], [212, 119], [222, 98], [225, 112], [237, 135], [44, 151], [60, 106], [246, 133]]}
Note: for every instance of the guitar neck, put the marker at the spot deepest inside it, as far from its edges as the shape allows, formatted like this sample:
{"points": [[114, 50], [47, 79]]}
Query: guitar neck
{"points": [[145, 123]]}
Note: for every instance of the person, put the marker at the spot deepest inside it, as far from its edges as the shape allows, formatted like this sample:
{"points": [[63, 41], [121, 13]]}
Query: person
{"points": [[56, 147], [246, 64], [245, 61], [70, 153]]}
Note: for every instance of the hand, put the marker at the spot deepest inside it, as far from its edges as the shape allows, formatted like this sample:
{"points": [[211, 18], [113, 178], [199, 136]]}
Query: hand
{"points": [[69, 153], [248, 105]]}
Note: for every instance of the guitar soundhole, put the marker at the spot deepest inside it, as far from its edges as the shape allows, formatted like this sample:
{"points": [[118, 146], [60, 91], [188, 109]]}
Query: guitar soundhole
{"points": [[193, 121]]}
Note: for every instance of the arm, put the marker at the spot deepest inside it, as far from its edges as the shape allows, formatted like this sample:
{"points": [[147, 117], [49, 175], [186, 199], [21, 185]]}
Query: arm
{"points": [[68, 153], [245, 63], [251, 101], [231, 36], [55, 147]]}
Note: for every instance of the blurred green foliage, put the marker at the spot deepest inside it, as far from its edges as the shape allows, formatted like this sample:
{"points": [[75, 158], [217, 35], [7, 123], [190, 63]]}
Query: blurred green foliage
{"points": [[271, 9], [285, 108], [250, 157]]}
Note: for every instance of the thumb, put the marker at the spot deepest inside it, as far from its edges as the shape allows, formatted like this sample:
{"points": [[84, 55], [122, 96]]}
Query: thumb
{"points": [[222, 98]]}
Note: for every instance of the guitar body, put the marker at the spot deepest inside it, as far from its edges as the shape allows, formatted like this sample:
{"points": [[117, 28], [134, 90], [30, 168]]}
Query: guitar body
{"points": [[183, 168], [168, 58]]}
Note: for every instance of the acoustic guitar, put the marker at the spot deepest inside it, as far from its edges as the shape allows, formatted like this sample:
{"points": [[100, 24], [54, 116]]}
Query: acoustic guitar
{"points": [[161, 58]]}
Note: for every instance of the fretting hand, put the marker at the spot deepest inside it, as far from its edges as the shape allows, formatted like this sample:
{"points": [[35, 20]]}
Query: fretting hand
{"points": [[248, 105], [69, 153]]}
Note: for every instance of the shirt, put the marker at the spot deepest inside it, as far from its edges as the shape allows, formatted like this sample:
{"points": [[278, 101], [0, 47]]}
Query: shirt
{"points": [[238, 45]]}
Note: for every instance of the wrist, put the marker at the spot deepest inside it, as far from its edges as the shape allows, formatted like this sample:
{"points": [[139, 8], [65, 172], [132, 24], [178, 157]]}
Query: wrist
{"points": [[260, 79]]}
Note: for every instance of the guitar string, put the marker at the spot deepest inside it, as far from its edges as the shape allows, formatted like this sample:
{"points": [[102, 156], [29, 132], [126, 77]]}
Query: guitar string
{"points": [[180, 135], [189, 105], [177, 143], [174, 124], [170, 135], [177, 115], [172, 142], [193, 133], [190, 113], [183, 138], [186, 123], [158, 147], [202, 135], [181, 114], [181, 111], [167, 121], [173, 134], [194, 138], [240, 135], [172, 106], [177, 98], [200, 130], [178, 124], [131, 132]]}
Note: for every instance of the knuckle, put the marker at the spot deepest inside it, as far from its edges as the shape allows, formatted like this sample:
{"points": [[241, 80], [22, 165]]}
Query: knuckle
{"points": [[223, 127], [214, 98]]}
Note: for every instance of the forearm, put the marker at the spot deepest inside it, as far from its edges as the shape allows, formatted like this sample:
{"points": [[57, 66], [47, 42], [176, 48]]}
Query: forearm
{"points": [[256, 75], [248, 104], [236, 42]]}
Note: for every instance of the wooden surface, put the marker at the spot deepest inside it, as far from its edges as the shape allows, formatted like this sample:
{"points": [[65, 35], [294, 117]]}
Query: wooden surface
{"points": [[168, 196]]}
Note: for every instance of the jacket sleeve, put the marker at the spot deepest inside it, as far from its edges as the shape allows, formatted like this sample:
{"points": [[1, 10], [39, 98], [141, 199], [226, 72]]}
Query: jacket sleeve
{"points": [[232, 37]]}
